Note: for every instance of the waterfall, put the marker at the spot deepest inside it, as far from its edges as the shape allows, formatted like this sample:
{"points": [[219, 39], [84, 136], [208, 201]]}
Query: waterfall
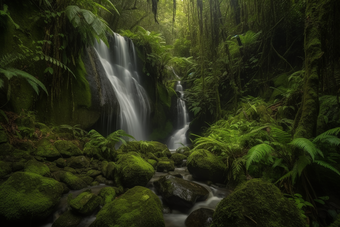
{"points": [[120, 67], [179, 138]]}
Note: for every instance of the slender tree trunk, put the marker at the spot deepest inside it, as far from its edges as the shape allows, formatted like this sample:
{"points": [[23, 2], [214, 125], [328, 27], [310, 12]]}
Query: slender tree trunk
{"points": [[315, 13]]}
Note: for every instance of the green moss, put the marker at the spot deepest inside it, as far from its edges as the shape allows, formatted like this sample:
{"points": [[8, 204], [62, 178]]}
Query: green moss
{"points": [[203, 165], [165, 165], [85, 203], [133, 170], [178, 158], [47, 150], [33, 166], [138, 207], [72, 181], [28, 197], [257, 203], [67, 148], [108, 194], [152, 162]]}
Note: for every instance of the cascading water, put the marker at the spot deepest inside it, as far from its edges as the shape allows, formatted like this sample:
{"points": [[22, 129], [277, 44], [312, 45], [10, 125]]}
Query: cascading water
{"points": [[179, 138], [120, 67]]}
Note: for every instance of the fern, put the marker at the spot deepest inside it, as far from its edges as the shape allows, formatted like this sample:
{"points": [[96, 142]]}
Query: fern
{"points": [[325, 135], [258, 153], [307, 146], [327, 165]]}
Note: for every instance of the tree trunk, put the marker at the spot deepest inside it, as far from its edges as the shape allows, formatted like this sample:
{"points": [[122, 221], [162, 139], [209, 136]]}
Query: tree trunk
{"points": [[315, 13]]}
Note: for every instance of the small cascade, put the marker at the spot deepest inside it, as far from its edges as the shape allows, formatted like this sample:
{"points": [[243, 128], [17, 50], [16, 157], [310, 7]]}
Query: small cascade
{"points": [[179, 138], [120, 67]]}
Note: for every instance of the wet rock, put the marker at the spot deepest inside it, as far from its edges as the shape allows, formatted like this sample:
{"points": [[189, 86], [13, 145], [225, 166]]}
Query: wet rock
{"points": [[68, 219], [5, 168], [257, 203], [67, 148], [47, 150], [27, 197], [71, 180], [108, 194], [139, 206], [78, 162], [179, 192], [85, 203], [200, 218], [134, 170], [34, 166], [178, 158], [203, 165], [165, 165]]}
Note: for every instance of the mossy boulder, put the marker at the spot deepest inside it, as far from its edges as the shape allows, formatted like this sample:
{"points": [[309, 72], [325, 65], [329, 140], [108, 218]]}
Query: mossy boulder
{"points": [[85, 203], [61, 162], [152, 162], [71, 180], [67, 148], [71, 170], [257, 203], [93, 173], [179, 192], [143, 147], [5, 168], [40, 168], [68, 219], [108, 194], [91, 150], [87, 179], [78, 162], [138, 207], [47, 150], [109, 170], [134, 170], [178, 158], [203, 165], [165, 165], [27, 197]]}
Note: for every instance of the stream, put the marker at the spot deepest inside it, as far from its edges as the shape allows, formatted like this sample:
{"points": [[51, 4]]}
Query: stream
{"points": [[172, 217]]}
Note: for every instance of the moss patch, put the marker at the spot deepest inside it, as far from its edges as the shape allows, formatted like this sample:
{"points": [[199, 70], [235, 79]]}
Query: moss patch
{"points": [[138, 207], [33, 166]]}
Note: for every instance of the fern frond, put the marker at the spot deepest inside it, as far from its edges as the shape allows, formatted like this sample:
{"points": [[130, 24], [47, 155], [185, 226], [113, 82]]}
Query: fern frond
{"points": [[306, 145], [333, 131], [289, 174], [257, 153], [280, 135], [327, 165], [301, 163]]}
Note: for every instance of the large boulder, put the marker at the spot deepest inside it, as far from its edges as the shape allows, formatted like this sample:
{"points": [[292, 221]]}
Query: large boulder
{"points": [[47, 150], [138, 207], [108, 194], [165, 165], [203, 165], [178, 158], [257, 203], [85, 203], [34, 166], [71, 180], [179, 192], [67, 148], [134, 170], [27, 197]]}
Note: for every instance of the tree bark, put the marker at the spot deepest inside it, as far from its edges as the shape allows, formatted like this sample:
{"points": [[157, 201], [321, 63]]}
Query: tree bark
{"points": [[316, 11]]}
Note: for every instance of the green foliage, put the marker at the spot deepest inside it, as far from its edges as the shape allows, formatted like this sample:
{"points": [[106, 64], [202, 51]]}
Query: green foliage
{"points": [[259, 152], [5, 13], [76, 130]]}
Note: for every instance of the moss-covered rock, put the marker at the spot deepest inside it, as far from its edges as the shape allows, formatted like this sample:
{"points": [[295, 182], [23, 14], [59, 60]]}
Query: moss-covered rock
{"points": [[71, 170], [152, 162], [91, 150], [26, 197], [93, 173], [108, 194], [67, 148], [165, 165], [138, 207], [179, 192], [5, 168], [67, 219], [61, 162], [101, 179], [178, 158], [85, 203], [109, 170], [257, 203], [47, 150], [133, 170], [203, 165], [34, 166], [143, 147], [71, 180], [87, 179], [78, 162]]}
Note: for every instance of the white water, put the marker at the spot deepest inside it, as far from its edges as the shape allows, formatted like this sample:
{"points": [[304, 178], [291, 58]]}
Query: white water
{"points": [[121, 70], [179, 138]]}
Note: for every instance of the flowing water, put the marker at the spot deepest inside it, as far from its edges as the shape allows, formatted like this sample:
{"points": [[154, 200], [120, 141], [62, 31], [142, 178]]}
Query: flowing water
{"points": [[179, 138], [120, 66]]}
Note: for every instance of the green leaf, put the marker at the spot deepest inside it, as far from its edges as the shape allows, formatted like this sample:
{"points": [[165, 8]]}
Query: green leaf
{"points": [[258, 153], [306, 145]]}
